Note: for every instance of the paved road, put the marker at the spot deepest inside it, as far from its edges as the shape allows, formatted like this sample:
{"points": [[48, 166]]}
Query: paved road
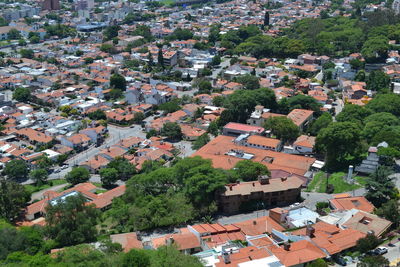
{"points": [[39, 195], [225, 63], [393, 256]]}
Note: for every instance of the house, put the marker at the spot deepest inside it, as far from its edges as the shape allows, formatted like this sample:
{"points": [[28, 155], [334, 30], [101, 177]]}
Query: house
{"points": [[101, 201], [262, 142], [191, 133], [304, 144], [269, 191], [362, 221], [247, 257], [95, 134], [224, 153], [33, 136], [297, 253], [128, 241], [185, 241], [236, 129], [259, 115], [301, 117], [329, 237], [77, 142], [347, 202]]}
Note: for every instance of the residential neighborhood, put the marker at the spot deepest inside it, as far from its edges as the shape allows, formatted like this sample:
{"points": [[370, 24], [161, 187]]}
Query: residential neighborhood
{"points": [[189, 133]]}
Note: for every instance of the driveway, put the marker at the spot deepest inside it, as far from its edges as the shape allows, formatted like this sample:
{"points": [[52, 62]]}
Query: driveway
{"points": [[39, 195], [225, 63]]}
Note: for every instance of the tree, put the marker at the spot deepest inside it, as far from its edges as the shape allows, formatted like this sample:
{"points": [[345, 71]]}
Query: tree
{"points": [[115, 94], [13, 197], [317, 263], [367, 243], [283, 128], [117, 81], [201, 141], [249, 82], [27, 53], [373, 261], [16, 169], [136, 258], [378, 81], [172, 130], [98, 114], [385, 103], [216, 60], [380, 187], [71, 221], [353, 113], [108, 176], [77, 175], [247, 170], [170, 106], [322, 122], [213, 128], [138, 117], [171, 256], [341, 143], [22, 94], [266, 19], [160, 57], [390, 211], [204, 87], [304, 102], [375, 49], [14, 34], [110, 32], [123, 166], [39, 176]]}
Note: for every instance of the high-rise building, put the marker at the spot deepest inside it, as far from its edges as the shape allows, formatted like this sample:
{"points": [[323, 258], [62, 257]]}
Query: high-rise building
{"points": [[51, 4]]}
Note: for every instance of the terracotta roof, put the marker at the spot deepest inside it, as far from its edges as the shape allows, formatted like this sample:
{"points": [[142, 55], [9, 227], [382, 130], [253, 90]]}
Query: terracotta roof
{"points": [[128, 241], [332, 238], [366, 222], [258, 226], [299, 116], [263, 141], [347, 203], [186, 240], [300, 252]]}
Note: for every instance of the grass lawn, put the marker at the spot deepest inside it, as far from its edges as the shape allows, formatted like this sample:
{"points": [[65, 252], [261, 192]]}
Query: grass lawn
{"points": [[319, 183], [33, 188], [168, 2]]}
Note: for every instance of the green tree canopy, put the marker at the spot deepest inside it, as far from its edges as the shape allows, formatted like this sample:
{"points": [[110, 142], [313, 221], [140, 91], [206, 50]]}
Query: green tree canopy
{"points": [[16, 169], [171, 130], [341, 142], [71, 221], [39, 176], [117, 81], [322, 122], [124, 168], [380, 187], [22, 94], [283, 128], [378, 81], [247, 170], [13, 198], [77, 175]]}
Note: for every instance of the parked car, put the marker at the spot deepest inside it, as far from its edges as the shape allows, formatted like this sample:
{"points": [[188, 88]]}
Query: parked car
{"points": [[381, 250], [341, 261]]}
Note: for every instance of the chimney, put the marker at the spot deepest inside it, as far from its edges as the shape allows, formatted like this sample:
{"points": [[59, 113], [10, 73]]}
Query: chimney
{"points": [[254, 184], [169, 241], [310, 231], [230, 188], [96, 157], [264, 179], [226, 257], [254, 222], [286, 246]]}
